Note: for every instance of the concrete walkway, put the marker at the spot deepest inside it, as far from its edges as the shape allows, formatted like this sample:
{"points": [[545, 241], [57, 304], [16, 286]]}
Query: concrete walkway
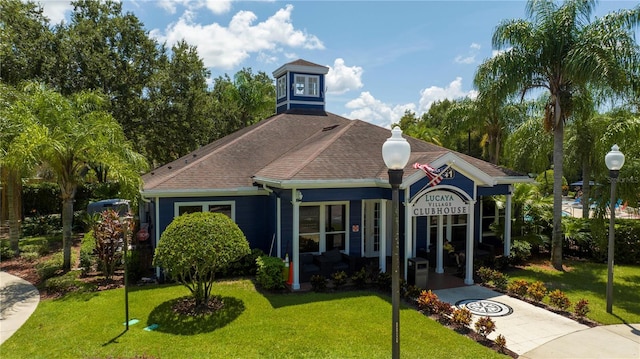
{"points": [[18, 300], [535, 333]]}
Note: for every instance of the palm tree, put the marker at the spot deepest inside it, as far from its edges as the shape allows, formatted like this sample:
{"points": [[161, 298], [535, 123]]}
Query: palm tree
{"points": [[559, 51], [69, 134]]}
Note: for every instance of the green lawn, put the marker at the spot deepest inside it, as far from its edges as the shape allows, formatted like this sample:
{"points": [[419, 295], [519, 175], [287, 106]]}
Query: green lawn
{"points": [[589, 281], [353, 324]]}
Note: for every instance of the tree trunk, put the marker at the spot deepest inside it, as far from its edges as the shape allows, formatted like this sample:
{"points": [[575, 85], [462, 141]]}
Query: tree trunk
{"points": [[68, 195], [586, 188], [558, 155], [13, 190]]}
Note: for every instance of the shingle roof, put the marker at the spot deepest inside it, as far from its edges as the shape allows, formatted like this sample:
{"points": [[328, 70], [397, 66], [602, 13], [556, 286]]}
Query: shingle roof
{"points": [[294, 146]]}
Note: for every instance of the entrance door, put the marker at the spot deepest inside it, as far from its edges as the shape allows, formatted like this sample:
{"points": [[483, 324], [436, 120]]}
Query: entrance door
{"points": [[371, 228]]}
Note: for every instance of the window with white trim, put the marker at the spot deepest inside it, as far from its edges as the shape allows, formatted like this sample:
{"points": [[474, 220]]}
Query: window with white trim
{"points": [[282, 87], [307, 85], [323, 227], [224, 207]]}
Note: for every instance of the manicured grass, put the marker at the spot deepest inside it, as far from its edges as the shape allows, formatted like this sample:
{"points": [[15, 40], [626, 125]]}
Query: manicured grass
{"points": [[589, 281], [354, 324]]}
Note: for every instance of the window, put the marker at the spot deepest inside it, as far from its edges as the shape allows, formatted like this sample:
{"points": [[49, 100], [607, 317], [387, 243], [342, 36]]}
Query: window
{"points": [[306, 85], [282, 87], [323, 227], [227, 208]]}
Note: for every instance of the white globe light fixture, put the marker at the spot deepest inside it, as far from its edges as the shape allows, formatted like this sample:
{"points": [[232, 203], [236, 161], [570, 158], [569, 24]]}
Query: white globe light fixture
{"points": [[614, 161], [395, 152]]}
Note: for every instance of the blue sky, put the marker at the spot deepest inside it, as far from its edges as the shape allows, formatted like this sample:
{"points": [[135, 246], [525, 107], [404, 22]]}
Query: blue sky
{"points": [[384, 56]]}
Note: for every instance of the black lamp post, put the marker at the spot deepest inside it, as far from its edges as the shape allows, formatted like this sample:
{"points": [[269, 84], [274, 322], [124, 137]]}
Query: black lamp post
{"points": [[126, 222], [395, 152], [614, 160]]}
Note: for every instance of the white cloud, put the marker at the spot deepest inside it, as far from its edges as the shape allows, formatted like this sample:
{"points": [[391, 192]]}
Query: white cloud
{"points": [[452, 91], [55, 10], [226, 47], [470, 57], [216, 6], [341, 78], [219, 6], [369, 109]]}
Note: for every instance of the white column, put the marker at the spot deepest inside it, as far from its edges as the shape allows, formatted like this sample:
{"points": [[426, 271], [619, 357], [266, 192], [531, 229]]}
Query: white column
{"points": [[295, 240], [428, 219], [439, 245], [470, 242], [383, 236], [507, 226], [278, 227]]}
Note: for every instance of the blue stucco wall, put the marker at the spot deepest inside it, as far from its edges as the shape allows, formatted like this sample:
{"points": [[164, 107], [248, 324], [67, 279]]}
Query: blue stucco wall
{"points": [[253, 216]]}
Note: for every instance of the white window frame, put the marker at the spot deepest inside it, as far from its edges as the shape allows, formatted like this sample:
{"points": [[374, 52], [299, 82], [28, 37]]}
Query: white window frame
{"points": [[205, 206], [308, 91], [281, 87], [323, 231]]}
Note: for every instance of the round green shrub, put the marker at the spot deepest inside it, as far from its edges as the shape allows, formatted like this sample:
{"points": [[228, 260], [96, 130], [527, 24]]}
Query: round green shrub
{"points": [[195, 246]]}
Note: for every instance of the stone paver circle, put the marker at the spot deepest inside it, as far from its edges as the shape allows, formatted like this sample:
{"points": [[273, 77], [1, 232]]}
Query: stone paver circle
{"points": [[485, 307]]}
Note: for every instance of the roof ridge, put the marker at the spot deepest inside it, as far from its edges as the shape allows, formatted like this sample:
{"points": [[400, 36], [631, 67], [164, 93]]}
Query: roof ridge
{"points": [[217, 149], [315, 154]]}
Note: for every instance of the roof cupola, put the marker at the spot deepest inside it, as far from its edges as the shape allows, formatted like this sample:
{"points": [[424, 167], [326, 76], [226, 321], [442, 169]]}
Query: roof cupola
{"points": [[300, 85]]}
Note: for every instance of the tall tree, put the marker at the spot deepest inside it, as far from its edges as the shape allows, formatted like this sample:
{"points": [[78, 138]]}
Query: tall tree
{"points": [[559, 51], [10, 172], [25, 42], [180, 107], [68, 133], [244, 101], [104, 49]]}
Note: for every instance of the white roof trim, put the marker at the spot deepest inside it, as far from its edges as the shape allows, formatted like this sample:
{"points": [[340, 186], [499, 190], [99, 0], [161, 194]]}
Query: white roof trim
{"points": [[203, 192], [297, 184]]}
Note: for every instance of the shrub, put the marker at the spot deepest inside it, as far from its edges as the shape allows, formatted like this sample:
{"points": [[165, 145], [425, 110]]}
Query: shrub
{"points": [[558, 299], [5, 250], [195, 246], [494, 277], [87, 250], [485, 326], [359, 278], [245, 267], [50, 267], [318, 283], [108, 234], [428, 301], [501, 343], [500, 280], [485, 274], [383, 280], [64, 283], [444, 311], [411, 292], [581, 308], [339, 279], [269, 272], [461, 317], [518, 287], [520, 252], [537, 291]]}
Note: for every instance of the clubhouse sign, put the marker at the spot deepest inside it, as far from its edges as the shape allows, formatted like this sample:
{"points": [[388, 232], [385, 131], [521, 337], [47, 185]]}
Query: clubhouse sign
{"points": [[439, 202]]}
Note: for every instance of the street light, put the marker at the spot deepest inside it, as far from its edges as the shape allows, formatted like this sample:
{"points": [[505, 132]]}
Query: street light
{"points": [[614, 160], [395, 152]]}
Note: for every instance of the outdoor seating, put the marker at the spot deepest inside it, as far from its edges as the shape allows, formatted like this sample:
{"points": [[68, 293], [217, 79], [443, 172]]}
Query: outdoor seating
{"points": [[308, 267], [333, 261]]}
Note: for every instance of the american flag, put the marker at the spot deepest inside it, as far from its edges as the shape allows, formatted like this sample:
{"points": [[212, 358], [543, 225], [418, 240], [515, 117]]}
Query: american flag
{"points": [[434, 175]]}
